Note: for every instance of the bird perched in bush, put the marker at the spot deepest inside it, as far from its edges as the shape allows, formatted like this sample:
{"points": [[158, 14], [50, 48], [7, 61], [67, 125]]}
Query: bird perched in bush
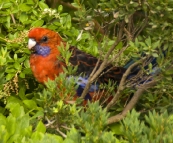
{"points": [[45, 65]]}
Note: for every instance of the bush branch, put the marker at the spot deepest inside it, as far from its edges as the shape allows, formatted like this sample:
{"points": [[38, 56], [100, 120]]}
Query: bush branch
{"points": [[61, 133], [122, 83], [93, 76], [132, 102]]}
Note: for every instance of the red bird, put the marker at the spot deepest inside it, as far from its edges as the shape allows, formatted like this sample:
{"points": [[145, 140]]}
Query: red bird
{"points": [[45, 64]]}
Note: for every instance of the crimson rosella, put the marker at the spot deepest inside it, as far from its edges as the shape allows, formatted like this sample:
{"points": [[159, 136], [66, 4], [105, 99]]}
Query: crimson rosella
{"points": [[45, 64]]}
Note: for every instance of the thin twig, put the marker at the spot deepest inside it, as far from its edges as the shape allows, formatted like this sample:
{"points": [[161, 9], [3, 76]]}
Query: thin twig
{"points": [[13, 19], [129, 35], [65, 127], [61, 133], [142, 27], [49, 122]]}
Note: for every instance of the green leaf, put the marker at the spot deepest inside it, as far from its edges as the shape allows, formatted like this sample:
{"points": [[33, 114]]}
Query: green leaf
{"points": [[60, 8], [27, 71], [10, 76], [41, 127], [4, 135], [17, 66], [38, 114], [119, 46], [111, 42], [10, 70], [37, 23], [30, 104], [20, 60], [31, 2], [26, 63], [68, 22], [8, 21], [155, 44], [148, 41], [24, 7], [116, 128], [23, 17], [2, 110], [17, 110], [42, 5], [51, 138], [11, 125], [2, 61], [6, 5], [36, 136], [23, 124], [73, 136], [22, 90], [2, 120], [22, 75], [169, 72], [13, 100], [155, 55], [108, 137]]}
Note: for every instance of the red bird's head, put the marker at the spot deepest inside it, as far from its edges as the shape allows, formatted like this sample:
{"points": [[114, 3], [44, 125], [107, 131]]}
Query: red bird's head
{"points": [[43, 41], [43, 59]]}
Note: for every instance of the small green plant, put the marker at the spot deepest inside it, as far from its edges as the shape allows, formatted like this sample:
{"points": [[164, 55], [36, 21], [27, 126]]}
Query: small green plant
{"points": [[156, 127], [17, 127]]}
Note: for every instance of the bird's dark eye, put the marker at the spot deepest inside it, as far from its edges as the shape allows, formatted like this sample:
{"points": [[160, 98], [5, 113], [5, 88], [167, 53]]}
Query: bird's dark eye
{"points": [[44, 39]]}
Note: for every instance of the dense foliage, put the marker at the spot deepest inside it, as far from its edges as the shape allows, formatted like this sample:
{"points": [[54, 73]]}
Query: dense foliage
{"points": [[139, 31]]}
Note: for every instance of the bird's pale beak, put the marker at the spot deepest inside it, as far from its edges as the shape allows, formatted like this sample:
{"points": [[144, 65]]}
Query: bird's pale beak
{"points": [[31, 43]]}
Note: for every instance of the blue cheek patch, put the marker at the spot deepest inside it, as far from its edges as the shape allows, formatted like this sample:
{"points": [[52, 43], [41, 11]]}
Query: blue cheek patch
{"points": [[42, 50]]}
